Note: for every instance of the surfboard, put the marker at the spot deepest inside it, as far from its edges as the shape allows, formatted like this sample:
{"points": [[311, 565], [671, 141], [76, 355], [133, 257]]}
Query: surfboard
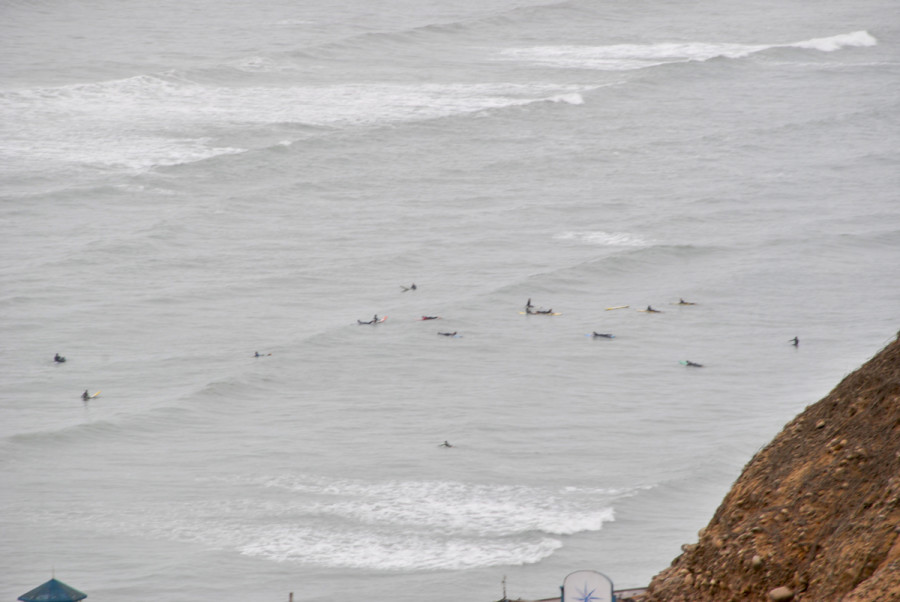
{"points": [[617, 307], [97, 394]]}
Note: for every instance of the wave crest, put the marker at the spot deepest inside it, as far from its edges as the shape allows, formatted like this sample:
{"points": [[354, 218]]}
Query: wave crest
{"points": [[627, 57]]}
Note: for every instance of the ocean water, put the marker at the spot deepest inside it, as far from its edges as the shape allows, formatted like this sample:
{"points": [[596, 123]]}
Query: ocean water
{"points": [[184, 184]]}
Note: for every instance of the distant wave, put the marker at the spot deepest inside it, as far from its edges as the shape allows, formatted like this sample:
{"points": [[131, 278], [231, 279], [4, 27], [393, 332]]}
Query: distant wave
{"points": [[848, 40], [164, 120], [601, 238], [626, 57]]}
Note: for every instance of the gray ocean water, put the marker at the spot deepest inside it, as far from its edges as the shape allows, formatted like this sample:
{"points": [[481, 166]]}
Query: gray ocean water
{"points": [[185, 184]]}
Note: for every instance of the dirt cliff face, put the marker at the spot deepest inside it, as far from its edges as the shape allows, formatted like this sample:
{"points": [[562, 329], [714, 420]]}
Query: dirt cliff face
{"points": [[815, 515]]}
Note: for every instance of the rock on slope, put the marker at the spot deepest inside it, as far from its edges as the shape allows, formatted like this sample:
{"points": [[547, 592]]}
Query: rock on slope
{"points": [[815, 515]]}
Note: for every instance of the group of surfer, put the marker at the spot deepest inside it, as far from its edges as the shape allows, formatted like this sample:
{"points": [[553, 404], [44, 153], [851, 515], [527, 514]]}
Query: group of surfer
{"points": [[84, 396], [530, 310]]}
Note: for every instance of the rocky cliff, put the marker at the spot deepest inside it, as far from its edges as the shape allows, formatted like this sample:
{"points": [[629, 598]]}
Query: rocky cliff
{"points": [[815, 515]]}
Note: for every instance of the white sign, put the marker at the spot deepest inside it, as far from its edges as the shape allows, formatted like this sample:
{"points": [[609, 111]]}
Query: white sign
{"points": [[587, 586]]}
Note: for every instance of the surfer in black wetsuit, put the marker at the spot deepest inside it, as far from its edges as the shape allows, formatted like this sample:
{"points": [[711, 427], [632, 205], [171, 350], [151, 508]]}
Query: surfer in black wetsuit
{"points": [[692, 364], [445, 444], [528, 305], [448, 334], [59, 359], [683, 302], [603, 335], [430, 317], [85, 396], [795, 342], [652, 311], [543, 311]]}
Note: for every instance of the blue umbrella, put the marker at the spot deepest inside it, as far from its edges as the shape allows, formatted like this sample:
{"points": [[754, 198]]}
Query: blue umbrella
{"points": [[53, 591]]}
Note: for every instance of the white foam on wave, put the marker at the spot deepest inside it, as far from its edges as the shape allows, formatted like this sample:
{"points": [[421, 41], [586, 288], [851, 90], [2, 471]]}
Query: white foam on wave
{"points": [[627, 57], [376, 525], [601, 238], [452, 508], [572, 98], [148, 121], [848, 40], [392, 551]]}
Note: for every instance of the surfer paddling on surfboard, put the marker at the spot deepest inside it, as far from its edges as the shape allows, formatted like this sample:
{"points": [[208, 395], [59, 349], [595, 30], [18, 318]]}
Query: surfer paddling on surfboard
{"points": [[59, 359], [375, 320], [604, 335]]}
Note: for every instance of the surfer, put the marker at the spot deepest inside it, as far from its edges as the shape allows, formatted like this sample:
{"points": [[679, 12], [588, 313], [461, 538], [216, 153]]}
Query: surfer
{"points": [[374, 320], [683, 302], [528, 305], [445, 444], [85, 396], [652, 311], [59, 359], [543, 311], [411, 287], [795, 342], [430, 317], [602, 334], [448, 334], [692, 364]]}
